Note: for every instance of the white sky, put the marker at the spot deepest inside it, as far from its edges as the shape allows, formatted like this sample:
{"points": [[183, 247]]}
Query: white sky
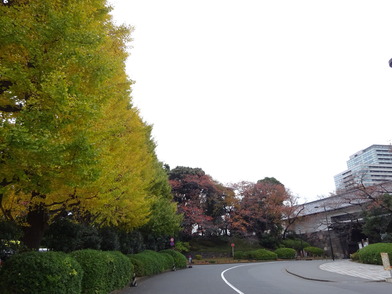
{"points": [[254, 88]]}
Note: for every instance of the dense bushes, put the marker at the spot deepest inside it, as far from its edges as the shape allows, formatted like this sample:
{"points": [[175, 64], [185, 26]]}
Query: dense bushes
{"points": [[41, 273], [179, 258], [84, 271], [314, 251], [286, 253], [371, 253], [149, 262], [104, 271], [259, 254], [296, 244]]}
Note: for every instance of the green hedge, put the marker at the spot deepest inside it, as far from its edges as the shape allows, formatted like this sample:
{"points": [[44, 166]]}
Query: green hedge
{"points": [[296, 244], [262, 254], [138, 265], [120, 269], [180, 260], [371, 253], [239, 255], [286, 253], [41, 273], [104, 271], [148, 263], [259, 254], [314, 251]]}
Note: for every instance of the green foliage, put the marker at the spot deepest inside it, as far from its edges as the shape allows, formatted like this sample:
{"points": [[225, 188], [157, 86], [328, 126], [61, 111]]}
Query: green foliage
{"points": [[67, 236], [378, 220], [179, 259], [41, 273], [95, 270], [109, 239], [69, 137], [354, 256], [168, 260], [270, 180], [314, 251], [371, 253], [104, 271], [240, 255], [258, 254], [149, 263], [138, 265], [269, 240], [286, 253], [296, 244], [131, 242], [182, 246], [198, 257], [9, 234], [120, 269], [262, 254]]}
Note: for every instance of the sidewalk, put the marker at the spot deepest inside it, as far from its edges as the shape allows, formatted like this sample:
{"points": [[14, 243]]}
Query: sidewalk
{"points": [[355, 269], [338, 270]]}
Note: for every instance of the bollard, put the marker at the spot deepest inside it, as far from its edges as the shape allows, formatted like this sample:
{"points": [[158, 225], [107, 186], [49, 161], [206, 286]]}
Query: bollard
{"points": [[386, 264], [133, 282]]}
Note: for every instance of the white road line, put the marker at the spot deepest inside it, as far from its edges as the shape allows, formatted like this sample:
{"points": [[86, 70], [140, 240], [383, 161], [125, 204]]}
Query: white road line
{"points": [[227, 282]]}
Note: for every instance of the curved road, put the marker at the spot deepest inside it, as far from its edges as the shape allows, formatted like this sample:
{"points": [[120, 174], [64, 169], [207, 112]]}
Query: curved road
{"points": [[252, 278]]}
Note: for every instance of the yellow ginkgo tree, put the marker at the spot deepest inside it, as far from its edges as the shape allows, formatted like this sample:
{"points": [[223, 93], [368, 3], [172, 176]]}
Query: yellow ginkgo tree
{"points": [[70, 140]]}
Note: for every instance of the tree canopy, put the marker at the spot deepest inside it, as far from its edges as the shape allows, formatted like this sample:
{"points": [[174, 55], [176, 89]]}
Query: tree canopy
{"points": [[70, 140]]}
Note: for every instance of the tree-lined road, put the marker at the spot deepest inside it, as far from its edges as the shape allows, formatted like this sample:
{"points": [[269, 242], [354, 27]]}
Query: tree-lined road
{"points": [[252, 278]]}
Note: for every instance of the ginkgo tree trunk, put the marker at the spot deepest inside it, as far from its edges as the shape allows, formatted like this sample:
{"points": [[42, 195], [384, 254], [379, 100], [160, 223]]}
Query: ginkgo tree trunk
{"points": [[70, 140]]}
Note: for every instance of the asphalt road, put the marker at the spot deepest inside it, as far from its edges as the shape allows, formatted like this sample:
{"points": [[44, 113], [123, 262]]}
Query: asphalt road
{"points": [[252, 278]]}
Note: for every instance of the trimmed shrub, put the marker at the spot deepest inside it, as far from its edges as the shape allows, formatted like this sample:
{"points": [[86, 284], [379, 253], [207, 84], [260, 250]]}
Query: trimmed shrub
{"points": [[120, 270], [314, 251], [168, 260], [286, 253], [296, 244], [179, 259], [95, 271], [239, 255], [371, 253], [262, 254], [150, 263], [198, 257], [138, 265], [104, 271], [354, 256], [41, 273]]}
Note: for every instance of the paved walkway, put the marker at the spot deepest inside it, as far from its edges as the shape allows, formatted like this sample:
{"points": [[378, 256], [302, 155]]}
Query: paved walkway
{"points": [[340, 270], [355, 269]]}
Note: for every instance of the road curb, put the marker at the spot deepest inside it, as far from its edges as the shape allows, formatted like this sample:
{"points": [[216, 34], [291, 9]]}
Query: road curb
{"points": [[307, 278]]}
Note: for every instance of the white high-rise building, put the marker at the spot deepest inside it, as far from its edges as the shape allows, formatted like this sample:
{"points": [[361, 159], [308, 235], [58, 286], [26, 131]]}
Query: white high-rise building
{"points": [[369, 167]]}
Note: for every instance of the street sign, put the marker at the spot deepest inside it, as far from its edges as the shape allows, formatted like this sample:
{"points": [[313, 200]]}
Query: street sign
{"points": [[232, 244]]}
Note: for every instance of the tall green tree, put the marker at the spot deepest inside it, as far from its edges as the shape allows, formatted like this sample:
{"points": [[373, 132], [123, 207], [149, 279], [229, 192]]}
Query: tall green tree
{"points": [[70, 140]]}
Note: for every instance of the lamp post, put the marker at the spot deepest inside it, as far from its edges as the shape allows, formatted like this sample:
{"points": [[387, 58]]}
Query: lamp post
{"points": [[329, 233]]}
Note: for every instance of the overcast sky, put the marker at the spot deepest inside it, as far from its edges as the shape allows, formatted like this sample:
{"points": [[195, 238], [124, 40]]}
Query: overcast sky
{"points": [[251, 89]]}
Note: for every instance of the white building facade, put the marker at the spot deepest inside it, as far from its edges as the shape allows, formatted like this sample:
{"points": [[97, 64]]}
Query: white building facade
{"points": [[368, 167]]}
